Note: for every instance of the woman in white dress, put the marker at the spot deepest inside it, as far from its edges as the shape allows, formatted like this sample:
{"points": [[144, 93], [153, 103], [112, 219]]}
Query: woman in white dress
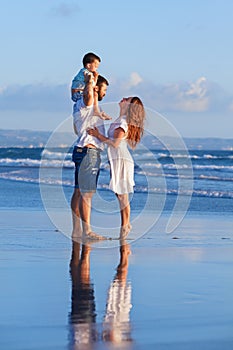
{"points": [[125, 131]]}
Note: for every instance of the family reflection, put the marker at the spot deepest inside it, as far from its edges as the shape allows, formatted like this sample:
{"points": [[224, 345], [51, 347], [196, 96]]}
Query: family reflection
{"points": [[115, 327], [83, 315]]}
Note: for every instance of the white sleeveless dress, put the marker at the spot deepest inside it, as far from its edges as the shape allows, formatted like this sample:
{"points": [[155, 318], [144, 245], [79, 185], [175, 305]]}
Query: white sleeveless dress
{"points": [[121, 161]]}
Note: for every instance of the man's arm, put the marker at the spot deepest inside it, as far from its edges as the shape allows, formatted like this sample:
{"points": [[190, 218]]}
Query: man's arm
{"points": [[88, 93]]}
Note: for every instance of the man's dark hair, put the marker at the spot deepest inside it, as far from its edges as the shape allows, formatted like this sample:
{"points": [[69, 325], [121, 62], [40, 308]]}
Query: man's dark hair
{"points": [[101, 80], [90, 57]]}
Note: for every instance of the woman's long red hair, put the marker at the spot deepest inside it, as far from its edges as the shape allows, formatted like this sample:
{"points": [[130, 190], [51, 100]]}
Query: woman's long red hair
{"points": [[135, 117]]}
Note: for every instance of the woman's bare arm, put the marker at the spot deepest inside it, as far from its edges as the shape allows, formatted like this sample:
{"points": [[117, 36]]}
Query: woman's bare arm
{"points": [[118, 136]]}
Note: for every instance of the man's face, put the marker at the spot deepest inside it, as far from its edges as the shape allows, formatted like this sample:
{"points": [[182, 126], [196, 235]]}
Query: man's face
{"points": [[102, 91]]}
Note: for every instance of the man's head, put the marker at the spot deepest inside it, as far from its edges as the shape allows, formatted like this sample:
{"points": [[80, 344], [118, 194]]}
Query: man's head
{"points": [[101, 87], [91, 61]]}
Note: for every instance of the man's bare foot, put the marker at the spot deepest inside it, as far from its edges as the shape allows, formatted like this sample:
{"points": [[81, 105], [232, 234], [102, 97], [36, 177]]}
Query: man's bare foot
{"points": [[93, 236], [76, 235]]}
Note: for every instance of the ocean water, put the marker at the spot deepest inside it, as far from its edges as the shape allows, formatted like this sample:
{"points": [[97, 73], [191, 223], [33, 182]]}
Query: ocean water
{"points": [[204, 175]]}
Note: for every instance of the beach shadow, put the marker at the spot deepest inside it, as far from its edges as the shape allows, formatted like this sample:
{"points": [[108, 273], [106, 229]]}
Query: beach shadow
{"points": [[115, 329]]}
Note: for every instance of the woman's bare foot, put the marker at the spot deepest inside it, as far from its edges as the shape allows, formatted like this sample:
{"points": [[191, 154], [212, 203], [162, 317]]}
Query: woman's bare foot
{"points": [[125, 230]]}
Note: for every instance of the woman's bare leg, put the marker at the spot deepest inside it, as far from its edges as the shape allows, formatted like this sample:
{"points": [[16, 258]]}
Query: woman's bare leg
{"points": [[125, 214]]}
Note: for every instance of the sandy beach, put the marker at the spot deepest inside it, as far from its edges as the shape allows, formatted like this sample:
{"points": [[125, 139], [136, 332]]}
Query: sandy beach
{"points": [[176, 288]]}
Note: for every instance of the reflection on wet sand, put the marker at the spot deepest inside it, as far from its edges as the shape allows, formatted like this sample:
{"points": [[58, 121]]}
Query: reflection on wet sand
{"points": [[116, 325], [116, 322], [83, 315]]}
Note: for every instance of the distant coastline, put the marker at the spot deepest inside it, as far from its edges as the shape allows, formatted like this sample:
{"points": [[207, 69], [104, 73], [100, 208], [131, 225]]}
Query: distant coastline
{"points": [[31, 138]]}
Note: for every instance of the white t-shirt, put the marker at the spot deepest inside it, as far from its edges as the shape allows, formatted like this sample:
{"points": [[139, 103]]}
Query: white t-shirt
{"points": [[84, 119]]}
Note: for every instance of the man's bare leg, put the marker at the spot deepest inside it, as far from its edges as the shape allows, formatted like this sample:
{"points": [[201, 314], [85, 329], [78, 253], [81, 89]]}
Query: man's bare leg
{"points": [[75, 257], [75, 204], [85, 214], [84, 264]]}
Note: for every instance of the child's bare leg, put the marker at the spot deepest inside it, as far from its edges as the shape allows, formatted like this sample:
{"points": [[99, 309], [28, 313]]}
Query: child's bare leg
{"points": [[96, 110], [105, 116]]}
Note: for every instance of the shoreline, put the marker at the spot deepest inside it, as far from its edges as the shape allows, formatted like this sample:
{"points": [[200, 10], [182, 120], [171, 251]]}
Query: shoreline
{"points": [[196, 229]]}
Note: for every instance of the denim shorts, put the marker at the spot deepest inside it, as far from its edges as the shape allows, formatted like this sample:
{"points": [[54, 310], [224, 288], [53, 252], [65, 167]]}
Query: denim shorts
{"points": [[87, 167]]}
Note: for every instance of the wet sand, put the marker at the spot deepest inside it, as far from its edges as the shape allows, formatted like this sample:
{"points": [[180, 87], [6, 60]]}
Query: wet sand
{"points": [[160, 291]]}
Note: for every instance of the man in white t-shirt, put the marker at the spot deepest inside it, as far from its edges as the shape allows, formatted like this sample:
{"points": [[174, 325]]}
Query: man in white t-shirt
{"points": [[86, 156]]}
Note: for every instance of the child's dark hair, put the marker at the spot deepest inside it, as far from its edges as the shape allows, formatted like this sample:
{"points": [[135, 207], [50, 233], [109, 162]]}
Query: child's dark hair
{"points": [[90, 57]]}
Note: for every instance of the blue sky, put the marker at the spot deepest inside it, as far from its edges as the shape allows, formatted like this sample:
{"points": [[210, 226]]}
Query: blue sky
{"points": [[175, 54]]}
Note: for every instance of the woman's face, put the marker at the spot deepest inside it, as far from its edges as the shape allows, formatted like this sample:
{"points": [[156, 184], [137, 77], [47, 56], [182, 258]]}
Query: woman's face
{"points": [[124, 104]]}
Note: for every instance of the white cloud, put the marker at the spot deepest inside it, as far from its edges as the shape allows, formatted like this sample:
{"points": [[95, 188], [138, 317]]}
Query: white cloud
{"points": [[200, 95], [2, 89], [198, 87], [231, 107], [65, 9], [134, 79], [197, 96], [192, 97], [42, 107]]}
